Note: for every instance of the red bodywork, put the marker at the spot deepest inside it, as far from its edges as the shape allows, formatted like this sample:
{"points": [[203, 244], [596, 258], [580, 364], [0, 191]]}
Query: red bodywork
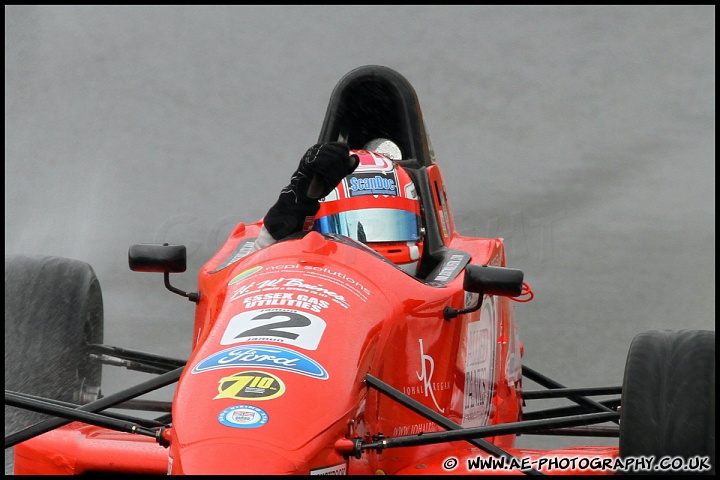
{"points": [[283, 340], [289, 341]]}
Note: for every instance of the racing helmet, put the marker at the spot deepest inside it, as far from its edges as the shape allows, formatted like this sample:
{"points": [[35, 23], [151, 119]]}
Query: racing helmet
{"points": [[385, 147], [377, 205]]}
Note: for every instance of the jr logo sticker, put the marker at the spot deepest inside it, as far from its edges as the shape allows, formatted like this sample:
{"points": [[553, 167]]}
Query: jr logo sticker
{"points": [[250, 386], [292, 327], [426, 375]]}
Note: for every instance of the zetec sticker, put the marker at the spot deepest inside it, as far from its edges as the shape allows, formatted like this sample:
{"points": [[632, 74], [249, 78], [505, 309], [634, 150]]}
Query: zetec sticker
{"points": [[265, 356]]}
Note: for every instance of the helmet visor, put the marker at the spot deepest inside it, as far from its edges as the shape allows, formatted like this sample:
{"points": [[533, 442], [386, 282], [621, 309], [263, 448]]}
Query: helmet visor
{"points": [[372, 225]]}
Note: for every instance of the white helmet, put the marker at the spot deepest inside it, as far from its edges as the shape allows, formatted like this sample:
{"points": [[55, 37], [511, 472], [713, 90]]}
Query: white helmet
{"points": [[385, 147]]}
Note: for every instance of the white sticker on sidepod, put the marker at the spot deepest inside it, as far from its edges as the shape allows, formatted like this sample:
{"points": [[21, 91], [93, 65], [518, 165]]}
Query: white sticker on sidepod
{"points": [[339, 469]]}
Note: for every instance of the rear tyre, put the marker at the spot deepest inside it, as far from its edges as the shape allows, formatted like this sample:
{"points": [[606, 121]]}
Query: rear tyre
{"points": [[53, 311], [668, 400]]}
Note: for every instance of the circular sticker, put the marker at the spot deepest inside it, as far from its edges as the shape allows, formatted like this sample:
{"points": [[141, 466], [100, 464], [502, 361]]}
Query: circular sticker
{"points": [[243, 416]]}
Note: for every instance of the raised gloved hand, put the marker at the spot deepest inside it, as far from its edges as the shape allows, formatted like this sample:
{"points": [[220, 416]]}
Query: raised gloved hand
{"points": [[320, 170]]}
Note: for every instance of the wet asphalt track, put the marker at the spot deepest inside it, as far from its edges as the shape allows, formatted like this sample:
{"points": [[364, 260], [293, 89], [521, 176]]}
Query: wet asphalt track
{"points": [[585, 136]]}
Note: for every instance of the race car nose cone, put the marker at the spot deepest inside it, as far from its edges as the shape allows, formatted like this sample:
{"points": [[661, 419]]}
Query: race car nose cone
{"points": [[225, 458]]}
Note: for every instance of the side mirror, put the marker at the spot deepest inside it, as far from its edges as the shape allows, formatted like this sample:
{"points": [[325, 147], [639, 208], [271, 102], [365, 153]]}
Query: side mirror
{"points": [[154, 257], [489, 280], [161, 258]]}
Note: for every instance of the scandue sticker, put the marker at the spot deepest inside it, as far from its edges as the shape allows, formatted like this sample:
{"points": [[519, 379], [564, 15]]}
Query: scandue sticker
{"points": [[243, 416], [360, 184], [250, 386], [265, 356]]}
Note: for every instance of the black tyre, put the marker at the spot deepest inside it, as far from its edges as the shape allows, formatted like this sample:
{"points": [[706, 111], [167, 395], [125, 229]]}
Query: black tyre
{"points": [[53, 310], [668, 400]]}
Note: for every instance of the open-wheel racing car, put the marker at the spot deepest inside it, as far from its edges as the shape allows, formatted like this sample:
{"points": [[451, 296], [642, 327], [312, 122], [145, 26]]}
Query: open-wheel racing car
{"points": [[315, 355]]}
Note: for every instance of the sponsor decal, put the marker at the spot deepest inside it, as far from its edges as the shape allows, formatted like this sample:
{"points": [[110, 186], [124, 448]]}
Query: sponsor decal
{"points": [[310, 296], [479, 368], [265, 356], [339, 469], [443, 211], [360, 184], [243, 249], [324, 274], [323, 282], [420, 389], [452, 267], [250, 386], [410, 191], [303, 301], [425, 376], [243, 416], [414, 429], [427, 385], [244, 275], [292, 327]]}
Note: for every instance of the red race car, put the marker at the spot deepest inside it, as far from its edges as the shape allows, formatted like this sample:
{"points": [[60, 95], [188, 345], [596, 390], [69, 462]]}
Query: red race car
{"points": [[316, 355]]}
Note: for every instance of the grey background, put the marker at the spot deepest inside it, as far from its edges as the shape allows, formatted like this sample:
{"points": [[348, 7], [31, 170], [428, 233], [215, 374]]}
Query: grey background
{"points": [[583, 135]]}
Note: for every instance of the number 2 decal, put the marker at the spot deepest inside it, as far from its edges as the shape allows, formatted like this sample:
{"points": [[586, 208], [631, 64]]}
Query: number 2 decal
{"points": [[283, 326]]}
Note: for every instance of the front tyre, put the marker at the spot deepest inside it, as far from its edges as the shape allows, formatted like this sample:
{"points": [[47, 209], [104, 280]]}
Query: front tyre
{"points": [[668, 400], [53, 311]]}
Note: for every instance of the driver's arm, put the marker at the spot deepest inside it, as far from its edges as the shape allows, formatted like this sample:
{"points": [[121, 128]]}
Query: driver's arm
{"points": [[322, 167]]}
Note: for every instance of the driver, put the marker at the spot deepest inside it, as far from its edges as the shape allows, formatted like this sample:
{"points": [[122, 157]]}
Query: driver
{"points": [[361, 194]]}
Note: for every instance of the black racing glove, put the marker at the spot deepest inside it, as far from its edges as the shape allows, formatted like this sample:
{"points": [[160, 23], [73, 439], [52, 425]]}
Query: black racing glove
{"points": [[322, 167], [329, 163]]}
